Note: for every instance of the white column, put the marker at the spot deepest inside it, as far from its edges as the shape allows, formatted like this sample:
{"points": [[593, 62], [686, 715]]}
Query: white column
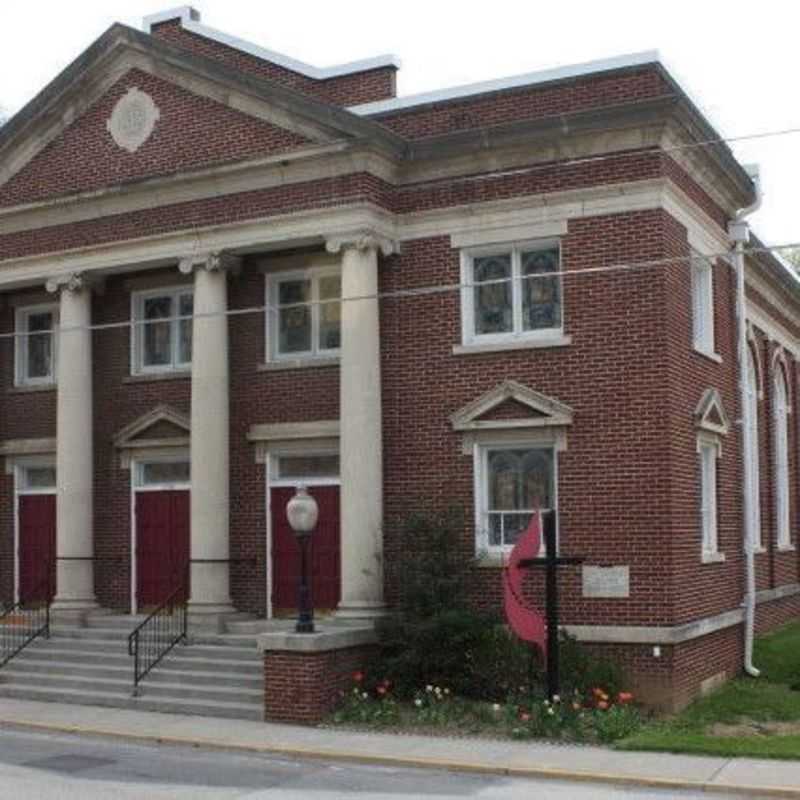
{"points": [[74, 449], [360, 424], [210, 543]]}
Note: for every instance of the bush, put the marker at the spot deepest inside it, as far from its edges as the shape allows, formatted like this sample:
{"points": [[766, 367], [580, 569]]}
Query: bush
{"points": [[617, 723]]}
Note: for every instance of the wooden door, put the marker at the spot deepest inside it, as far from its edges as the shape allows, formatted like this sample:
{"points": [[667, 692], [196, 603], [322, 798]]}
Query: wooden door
{"points": [[162, 545], [37, 547], [325, 556]]}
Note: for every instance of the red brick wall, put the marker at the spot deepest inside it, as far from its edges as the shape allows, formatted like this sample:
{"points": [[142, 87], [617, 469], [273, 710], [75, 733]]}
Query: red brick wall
{"points": [[613, 478], [548, 100], [346, 90], [192, 132], [305, 687]]}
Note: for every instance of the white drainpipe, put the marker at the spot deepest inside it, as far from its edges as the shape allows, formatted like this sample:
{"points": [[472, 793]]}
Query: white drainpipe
{"points": [[739, 233]]}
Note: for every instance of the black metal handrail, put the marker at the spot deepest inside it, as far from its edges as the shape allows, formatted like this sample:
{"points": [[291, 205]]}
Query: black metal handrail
{"points": [[164, 628], [25, 621]]}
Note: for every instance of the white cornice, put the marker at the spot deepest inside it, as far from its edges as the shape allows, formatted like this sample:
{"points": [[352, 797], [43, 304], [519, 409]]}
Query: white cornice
{"points": [[189, 19]]}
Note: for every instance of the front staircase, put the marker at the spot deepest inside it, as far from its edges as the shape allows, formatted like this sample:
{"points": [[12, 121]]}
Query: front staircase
{"points": [[219, 675]]}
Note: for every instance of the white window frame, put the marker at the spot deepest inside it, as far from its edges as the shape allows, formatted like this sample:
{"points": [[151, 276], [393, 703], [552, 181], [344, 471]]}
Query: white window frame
{"points": [[21, 378], [780, 410], [138, 326], [754, 464], [702, 281], [515, 249], [481, 472], [709, 451], [138, 465], [272, 317], [307, 480]]}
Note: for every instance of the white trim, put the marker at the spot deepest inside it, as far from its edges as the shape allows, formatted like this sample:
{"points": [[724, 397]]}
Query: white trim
{"points": [[481, 237], [781, 408], [513, 82], [273, 280], [19, 465], [518, 334], [708, 446], [174, 320], [480, 451], [189, 19], [21, 315]]}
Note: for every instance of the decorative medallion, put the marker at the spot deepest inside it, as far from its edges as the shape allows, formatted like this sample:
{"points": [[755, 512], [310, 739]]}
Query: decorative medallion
{"points": [[133, 119]]}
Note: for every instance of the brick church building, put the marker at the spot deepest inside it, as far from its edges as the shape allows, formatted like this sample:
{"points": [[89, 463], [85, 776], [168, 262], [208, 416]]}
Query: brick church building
{"points": [[224, 272]]}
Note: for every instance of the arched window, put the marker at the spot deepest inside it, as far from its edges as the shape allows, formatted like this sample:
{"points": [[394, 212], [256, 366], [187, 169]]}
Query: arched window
{"points": [[752, 438], [780, 414]]}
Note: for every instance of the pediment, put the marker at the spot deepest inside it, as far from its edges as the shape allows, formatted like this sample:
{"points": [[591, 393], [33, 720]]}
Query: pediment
{"points": [[512, 405], [133, 107], [163, 426], [710, 413]]}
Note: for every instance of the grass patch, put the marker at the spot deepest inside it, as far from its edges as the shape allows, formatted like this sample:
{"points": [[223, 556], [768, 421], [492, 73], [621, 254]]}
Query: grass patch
{"points": [[746, 710]]}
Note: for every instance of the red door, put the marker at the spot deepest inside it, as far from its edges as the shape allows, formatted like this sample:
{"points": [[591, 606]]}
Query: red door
{"points": [[162, 544], [324, 550], [37, 547]]}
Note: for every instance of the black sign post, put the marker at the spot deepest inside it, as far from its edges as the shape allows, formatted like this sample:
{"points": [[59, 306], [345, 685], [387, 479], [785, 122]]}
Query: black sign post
{"points": [[551, 562]]}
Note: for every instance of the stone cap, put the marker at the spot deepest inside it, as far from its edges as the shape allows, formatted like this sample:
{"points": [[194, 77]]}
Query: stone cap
{"points": [[323, 640]]}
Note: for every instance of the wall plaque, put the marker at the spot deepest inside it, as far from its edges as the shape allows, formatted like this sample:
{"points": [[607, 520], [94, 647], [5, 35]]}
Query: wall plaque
{"points": [[608, 582], [132, 121]]}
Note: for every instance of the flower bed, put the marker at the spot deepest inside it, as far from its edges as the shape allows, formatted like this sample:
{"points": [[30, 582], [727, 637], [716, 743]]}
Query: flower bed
{"points": [[595, 716]]}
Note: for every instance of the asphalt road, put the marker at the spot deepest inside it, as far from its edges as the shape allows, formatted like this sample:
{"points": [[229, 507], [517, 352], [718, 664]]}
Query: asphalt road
{"points": [[37, 766]]}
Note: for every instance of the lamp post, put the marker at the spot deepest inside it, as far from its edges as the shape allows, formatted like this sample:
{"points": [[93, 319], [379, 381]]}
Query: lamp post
{"points": [[302, 512]]}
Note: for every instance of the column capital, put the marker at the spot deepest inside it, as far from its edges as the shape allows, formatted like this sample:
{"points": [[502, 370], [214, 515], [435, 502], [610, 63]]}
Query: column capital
{"points": [[215, 261], [361, 240], [72, 282]]}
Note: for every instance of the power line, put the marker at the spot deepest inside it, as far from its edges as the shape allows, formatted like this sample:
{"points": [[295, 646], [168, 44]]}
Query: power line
{"points": [[421, 291]]}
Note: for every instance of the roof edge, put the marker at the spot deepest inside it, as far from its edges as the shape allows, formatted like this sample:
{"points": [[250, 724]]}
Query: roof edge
{"points": [[512, 82], [189, 19]]}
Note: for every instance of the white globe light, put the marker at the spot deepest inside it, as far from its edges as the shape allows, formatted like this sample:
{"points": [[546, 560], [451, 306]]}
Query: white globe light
{"points": [[302, 512]]}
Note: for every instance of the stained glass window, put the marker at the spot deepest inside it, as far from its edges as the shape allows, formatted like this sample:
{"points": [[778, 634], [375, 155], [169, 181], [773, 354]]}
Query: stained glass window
{"points": [[520, 481], [541, 292], [35, 348], [307, 321], [516, 291], [493, 294], [163, 334]]}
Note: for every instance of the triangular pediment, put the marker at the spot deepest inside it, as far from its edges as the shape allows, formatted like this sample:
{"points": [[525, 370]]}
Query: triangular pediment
{"points": [[710, 413], [133, 107], [512, 405], [162, 425]]}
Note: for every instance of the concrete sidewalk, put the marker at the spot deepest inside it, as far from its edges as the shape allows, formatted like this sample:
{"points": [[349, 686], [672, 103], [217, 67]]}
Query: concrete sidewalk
{"points": [[752, 777]]}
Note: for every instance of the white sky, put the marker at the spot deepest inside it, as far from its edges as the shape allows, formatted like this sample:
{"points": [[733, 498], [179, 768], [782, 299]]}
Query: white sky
{"points": [[738, 59]]}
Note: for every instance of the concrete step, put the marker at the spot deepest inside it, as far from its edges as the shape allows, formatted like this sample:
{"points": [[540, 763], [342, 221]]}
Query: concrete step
{"points": [[144, 703], [172, 662], [90, 670], [123, 686], [229, 651]]}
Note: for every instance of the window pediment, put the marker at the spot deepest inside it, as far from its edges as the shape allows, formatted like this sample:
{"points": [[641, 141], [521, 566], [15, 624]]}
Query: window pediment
{"points": [[162, 425], [710, 414], [511, 405]]}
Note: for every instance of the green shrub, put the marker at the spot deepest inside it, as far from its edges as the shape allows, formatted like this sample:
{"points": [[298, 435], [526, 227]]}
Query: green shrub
{"points": [[617, 723]]}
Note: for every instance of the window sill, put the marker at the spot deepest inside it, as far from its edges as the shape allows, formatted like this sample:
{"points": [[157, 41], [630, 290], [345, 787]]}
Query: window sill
{"points": [[491, 560], [760, 550], [33, 387], [715, 357], [146, 377], [713, 558], [298, 363], [512, 344], [786, 548]]}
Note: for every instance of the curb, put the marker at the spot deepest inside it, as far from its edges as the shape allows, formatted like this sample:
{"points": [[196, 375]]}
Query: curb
{"points": [[417, 762]]}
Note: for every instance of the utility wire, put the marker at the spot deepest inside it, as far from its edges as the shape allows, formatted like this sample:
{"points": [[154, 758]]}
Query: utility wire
{"points": [[421, 291]]}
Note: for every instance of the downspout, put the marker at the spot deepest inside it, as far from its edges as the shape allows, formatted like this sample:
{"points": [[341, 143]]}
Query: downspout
{"points": [[739, 233]]}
